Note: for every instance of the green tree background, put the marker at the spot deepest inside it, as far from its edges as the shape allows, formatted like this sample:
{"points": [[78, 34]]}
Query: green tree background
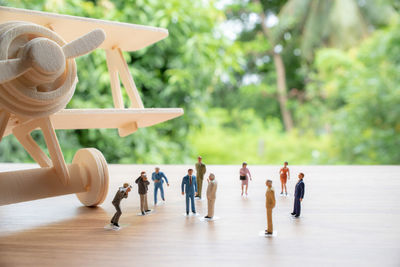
{"points": [[339, 82]]}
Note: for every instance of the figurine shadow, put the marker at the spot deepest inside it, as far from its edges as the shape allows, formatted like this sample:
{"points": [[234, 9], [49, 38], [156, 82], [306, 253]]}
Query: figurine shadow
{"points": [[114, 228], [191, 215], [209, 220], [146, 213], [263, 234]]}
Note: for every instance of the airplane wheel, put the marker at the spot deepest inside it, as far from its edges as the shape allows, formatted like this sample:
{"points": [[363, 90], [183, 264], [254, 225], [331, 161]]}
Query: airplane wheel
{"points": [[94, 164]]}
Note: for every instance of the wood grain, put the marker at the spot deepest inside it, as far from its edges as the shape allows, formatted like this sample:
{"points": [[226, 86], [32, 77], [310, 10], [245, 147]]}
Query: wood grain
{"points": [[351, 217]]}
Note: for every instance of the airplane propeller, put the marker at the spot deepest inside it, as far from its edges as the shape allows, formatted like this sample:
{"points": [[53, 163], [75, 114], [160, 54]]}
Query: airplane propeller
{"points": [[47, 58]]}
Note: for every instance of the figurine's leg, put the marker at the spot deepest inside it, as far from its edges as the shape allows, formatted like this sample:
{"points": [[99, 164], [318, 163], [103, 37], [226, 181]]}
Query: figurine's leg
{"points": [[199, 186], [269, 220], [117, 214], [211, 203], [146, 206], [296, 206], [141, 202], [162, 192], [155, 193], [187, 203], [192, 202], [4, 117]]}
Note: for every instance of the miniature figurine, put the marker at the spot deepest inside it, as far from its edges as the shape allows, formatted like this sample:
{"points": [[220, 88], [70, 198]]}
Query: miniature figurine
{"points": [[142, 190], [211, 195], [244, 176], [189, 186], [200, 171], [269, 204], [121, 193], [284, 174], [298, 196], [158, 177]]}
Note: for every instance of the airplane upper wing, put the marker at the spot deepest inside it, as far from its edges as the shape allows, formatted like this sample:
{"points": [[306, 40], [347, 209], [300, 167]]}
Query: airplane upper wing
{"points": [[128, 37], [126, 121]]}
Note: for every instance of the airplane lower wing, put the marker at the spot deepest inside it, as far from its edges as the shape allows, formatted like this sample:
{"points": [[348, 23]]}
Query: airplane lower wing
{"points": [[126, 121]]}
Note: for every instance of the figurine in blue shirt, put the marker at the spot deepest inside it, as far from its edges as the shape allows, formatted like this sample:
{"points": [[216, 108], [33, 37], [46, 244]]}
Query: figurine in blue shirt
{"points": [[158, 177], [189, 186]]}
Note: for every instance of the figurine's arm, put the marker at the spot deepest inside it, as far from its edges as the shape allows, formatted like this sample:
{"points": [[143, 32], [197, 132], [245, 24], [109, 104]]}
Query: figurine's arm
{"points": [[165, 178], [182, 186], [288, 171], [137, 180], [302, 192], [153, 176], [273, 199], [248, 171], [195, 184]]}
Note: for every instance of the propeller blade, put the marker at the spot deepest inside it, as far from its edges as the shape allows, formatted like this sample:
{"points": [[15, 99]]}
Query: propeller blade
{"points": [[11, 69], [84, 44]]}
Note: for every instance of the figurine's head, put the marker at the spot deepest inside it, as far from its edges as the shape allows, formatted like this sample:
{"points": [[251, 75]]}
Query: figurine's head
{"points": [[190, 172], [199, 158], [301, 176], [143, 174], [268, 183], [128, 187], [211, 177], [157, 169], [244, 164], [285, 163]]}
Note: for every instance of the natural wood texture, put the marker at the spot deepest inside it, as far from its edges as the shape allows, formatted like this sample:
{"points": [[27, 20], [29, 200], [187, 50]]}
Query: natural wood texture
{"points": [[350, 217], [70, 28]]}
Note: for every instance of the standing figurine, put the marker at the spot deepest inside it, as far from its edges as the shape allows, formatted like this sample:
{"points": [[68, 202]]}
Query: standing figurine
{"points": [[158, 177], [284, 174], [142, 190], [189, 186], [244, 176], [211, 195], [298, 196], [121, 193], [269, 204], [200, 171]]}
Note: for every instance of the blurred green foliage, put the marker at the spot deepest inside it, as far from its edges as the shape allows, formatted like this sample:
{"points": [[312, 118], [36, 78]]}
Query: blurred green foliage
{"points": [[345, 101]]}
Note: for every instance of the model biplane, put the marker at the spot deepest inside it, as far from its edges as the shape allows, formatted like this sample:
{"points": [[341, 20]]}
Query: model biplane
{"points": [[38, 76]]}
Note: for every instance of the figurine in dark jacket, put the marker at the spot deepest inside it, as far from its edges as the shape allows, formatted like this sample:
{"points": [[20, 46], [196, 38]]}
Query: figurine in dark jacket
{"points": [[298, 196], [121, 193], [142, 190]]}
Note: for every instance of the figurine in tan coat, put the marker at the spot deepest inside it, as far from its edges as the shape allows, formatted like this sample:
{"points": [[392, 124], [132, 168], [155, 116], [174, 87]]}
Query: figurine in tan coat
{"points": [[269, 204], [211, 195]]}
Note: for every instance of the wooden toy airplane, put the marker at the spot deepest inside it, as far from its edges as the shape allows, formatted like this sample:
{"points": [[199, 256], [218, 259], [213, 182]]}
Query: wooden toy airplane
{"points": [[38, 76]]}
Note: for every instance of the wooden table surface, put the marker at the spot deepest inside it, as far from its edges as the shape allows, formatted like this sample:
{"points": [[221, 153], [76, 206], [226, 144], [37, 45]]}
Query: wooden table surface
{"points": [[350, 217]]}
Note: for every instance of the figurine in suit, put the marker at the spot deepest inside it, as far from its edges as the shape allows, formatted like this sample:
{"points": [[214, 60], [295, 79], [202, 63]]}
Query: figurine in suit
{"points": [[142, 190], [200, 171], [189, 186], [211, 195], [298, 196], [269, 204], [121, 193], [158, 178]]}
